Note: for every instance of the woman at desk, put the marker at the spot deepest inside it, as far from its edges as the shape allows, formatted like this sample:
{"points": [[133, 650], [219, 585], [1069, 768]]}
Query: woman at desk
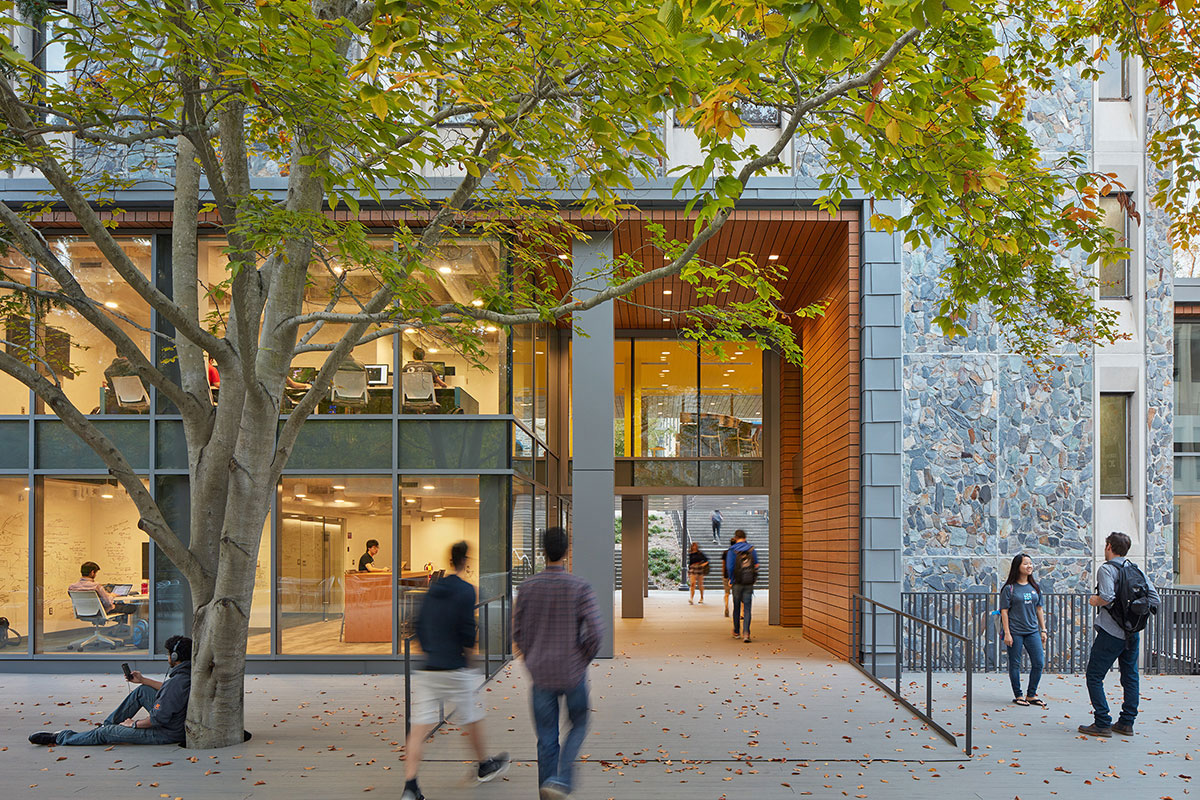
{"points": [[366, 562]]}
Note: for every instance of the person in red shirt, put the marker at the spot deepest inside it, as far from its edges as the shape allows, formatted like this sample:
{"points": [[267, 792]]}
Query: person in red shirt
{"points": [[214, 377]]}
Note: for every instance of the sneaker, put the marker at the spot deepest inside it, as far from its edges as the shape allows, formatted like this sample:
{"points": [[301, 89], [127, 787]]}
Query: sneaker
{"points": [[409, 794], [552, 791], [44, 737], [1123, 729], [494, 767], [1095, 730], [747, 639], [737, 635]]}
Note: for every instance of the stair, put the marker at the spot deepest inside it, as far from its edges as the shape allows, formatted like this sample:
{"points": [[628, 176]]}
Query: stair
{"points": [[752, 520]]}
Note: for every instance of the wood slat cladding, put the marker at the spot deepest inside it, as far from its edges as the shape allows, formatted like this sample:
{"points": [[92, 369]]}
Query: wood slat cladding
{"points": [[824, 400], [1187, 310]]}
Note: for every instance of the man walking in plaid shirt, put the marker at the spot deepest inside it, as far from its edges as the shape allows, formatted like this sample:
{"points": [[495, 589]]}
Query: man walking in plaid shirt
{"points": [[557, 627]]}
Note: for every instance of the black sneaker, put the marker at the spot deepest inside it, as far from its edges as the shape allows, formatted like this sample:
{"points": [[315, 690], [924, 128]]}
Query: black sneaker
{"points": [[44, 737], [409, 794], [493, 768]]}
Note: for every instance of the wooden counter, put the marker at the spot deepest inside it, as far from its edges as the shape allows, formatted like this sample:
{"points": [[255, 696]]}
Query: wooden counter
{"points": [[368, 616]]}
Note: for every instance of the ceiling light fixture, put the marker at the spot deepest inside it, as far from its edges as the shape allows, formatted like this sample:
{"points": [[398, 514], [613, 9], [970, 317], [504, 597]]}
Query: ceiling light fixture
{"points": [[110, 304], [301, 490], [772, 258], [433, 350], [666, 291], [339, 486], [444, 270], [490, 329], [477, 303], [409, 500], [410, 331], [429, 487], [107, 496], [665, 319], [563, 256]]}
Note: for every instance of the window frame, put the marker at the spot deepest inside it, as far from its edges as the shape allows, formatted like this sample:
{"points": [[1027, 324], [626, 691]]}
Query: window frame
{"points": [[1126, 438], [1126, 236], [1123, 65]]}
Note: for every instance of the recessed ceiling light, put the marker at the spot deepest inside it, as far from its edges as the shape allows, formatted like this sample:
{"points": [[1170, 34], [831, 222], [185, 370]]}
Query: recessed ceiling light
{"points": [[725, 385], [490, 329], [409, 500], [429, 487], [338, 270], [107, 496], [410, 331], [444, 270], [563, 256], [477, 303], [338, 486], [665, 319], [437, 516], [666, 291], [772, 258], [540, 352], [110, 304], [737, 352], [432, 350], [665, 353], [300, 494], [476, 499]]}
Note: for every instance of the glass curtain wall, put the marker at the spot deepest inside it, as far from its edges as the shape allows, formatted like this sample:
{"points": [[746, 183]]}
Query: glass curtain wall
{"points": [[19, 330], [325, 606], [1187, 453], [14, 565], [81, 523]]}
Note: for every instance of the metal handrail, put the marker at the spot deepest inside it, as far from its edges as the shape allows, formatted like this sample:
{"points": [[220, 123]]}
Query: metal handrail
{"points": [[485, 644], [1170, 643], [856, 658]]}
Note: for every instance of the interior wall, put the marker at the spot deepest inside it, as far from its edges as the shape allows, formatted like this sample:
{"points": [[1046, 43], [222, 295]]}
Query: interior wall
{"points": [[432, 537], [78, 528], [828, 533]]}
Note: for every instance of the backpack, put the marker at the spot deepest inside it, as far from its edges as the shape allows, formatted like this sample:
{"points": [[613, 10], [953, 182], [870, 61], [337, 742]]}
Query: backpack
{"points": [[745, 571], [1133, 605]]}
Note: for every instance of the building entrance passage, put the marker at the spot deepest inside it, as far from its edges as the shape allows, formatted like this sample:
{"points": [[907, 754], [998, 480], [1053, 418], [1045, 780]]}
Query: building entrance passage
{"points": [[655, 532]]}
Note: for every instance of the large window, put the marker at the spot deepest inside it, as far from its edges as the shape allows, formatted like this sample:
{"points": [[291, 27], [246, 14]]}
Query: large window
{"points": [[18, 333], [14, 564], [665, 399], [325, 605], [81, 521], [1114, 273], [1187, 541], [1114, 445], [93, 376]]}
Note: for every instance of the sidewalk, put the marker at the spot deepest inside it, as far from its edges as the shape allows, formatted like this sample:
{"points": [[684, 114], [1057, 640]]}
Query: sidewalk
{"points": [[684, 711]]}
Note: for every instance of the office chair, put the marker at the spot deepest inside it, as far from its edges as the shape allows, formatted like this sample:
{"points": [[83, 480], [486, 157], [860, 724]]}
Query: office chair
{"points": [[130, 393], [349, 388], [418, 395], [88, 608]]}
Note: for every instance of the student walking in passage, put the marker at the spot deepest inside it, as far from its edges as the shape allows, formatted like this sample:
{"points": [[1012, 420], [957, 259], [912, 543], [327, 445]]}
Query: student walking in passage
{"points": [[697, 569], [556, 626], [1024, 623], [446, 630], [741, 567]]}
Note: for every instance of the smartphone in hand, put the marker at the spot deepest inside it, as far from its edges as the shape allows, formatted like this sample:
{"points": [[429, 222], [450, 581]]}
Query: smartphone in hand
{"points": [[128, 674]]}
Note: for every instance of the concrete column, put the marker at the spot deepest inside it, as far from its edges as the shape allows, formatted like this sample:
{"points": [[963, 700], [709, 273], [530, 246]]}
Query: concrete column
{"points": [[592, 428], [634, 586]]}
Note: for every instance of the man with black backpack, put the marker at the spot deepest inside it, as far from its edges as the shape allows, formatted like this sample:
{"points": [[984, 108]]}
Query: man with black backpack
{"points": [[1124, 600], [741, 570]]}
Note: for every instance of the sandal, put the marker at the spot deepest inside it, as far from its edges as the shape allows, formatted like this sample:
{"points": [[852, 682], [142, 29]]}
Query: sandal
{"points": [[1021, 701], [1035, 701]]}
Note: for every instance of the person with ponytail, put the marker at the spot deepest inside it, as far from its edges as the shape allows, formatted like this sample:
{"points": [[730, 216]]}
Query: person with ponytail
{"points": [[1024, 624]]}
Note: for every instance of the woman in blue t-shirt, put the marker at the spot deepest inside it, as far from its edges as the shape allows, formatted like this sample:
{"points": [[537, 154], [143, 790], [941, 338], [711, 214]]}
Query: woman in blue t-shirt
{"points": [[1024, 624]]}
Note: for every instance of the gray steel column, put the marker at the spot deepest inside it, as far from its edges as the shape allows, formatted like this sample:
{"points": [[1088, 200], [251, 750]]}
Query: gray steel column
{"points": [[592, 429], [880, 543]]}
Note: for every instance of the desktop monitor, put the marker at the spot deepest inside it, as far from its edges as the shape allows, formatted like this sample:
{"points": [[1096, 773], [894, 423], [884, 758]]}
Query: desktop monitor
{"points": [[377, 374]]}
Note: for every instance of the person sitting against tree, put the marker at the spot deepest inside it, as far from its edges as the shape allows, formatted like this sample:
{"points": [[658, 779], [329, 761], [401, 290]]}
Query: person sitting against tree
{"points": [[166, 701]]}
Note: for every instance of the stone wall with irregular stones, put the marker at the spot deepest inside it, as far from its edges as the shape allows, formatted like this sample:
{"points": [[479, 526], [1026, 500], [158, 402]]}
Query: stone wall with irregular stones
{"points": [[998, 460]]}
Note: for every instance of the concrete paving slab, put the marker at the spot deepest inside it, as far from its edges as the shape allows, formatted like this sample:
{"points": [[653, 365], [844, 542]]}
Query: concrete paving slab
{"points": [[683, 711]]}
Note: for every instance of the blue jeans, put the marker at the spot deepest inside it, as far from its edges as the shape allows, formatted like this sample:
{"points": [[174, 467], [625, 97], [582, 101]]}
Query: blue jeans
{"points": [[112, 732], [557, 765], [743, 595], [1032, 642], [1106, 649]]}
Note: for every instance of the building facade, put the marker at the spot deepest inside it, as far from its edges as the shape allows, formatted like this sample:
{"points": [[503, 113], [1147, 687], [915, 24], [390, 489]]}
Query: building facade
{"points": [[896, 460]]}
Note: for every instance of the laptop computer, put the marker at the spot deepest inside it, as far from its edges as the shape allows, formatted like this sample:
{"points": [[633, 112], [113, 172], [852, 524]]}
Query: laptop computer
{"points": [[121, 589]]}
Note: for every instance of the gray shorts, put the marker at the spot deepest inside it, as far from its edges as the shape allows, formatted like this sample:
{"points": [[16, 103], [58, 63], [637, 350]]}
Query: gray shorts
{"points": [[453, 687]]}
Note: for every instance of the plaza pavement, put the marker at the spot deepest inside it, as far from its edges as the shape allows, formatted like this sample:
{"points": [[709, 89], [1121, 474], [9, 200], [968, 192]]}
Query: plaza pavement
{"points": [[683, 711]]}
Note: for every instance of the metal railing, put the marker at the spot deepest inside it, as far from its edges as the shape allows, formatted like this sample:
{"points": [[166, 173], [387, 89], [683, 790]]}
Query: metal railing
{"points": [[894, 655], [1170, 643], [491, 665]]}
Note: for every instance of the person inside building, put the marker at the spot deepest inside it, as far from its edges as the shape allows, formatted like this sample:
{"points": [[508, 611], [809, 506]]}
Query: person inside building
{"points": [[366, 562], [87, 583], [418, 364], [166, 701], [214, 377]]}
